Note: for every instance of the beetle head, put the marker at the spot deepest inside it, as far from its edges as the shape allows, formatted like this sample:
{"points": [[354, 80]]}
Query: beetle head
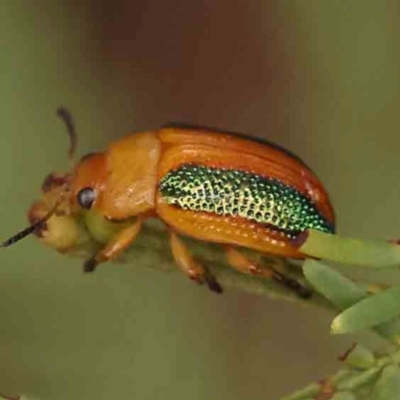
{"points": [[88, 181], [53, 217]]}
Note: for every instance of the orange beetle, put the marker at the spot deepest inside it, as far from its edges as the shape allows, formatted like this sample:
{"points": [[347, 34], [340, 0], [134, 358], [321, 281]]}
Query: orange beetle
{"points": [[211, 185]]}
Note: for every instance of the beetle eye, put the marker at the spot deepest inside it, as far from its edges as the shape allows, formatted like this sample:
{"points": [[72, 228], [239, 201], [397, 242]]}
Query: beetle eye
{"points": [[86, 197]]}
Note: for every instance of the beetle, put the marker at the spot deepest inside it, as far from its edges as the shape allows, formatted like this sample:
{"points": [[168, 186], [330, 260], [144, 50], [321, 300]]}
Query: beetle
{"points": [[208, 184]]}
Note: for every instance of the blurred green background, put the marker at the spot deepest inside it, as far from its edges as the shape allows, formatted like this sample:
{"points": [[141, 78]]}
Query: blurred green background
{"points": [[319, 77]]}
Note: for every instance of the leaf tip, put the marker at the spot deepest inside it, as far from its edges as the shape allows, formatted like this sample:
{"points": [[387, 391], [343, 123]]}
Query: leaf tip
{"points": [[337, 327]]}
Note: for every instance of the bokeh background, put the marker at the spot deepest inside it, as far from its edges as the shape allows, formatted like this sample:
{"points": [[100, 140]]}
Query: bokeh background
{"points": [[319, 77]]}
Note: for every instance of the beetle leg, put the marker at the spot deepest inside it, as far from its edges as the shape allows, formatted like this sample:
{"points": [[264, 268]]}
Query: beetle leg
{"points": [[115, 246], [195, 271], [243, 264]]}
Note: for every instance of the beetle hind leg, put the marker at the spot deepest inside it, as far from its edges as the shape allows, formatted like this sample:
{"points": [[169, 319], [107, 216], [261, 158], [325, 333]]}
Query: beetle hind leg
{"points": [[195, 271], [243, 264]]}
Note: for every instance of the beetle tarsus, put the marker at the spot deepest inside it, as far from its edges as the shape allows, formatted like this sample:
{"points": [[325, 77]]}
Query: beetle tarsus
{"points": [[301, 290], [90, 265], [211, 281], [213, 285]]}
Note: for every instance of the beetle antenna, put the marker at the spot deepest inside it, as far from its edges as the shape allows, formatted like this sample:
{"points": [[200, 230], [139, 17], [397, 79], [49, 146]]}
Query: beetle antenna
{"points": [[66, 117], [33, 227]]}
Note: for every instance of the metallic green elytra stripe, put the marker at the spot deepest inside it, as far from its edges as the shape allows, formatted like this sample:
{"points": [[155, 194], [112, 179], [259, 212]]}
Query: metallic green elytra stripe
{"points": [[244, 194]]}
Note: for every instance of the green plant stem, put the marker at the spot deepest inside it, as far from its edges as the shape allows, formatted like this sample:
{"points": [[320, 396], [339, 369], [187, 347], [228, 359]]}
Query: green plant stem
{"points": [[152, 250]]}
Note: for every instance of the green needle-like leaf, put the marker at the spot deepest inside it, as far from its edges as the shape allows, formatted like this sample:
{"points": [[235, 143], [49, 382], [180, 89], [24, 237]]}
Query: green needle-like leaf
{"points": [[359, 357], [369, 312], [387, 386], [338, 289], [344, 293], [364, 253]]}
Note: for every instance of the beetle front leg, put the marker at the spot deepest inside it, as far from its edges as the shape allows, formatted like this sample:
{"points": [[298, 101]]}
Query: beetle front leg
{"points": [[243, 264], [120, 242], [190, 267]]}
